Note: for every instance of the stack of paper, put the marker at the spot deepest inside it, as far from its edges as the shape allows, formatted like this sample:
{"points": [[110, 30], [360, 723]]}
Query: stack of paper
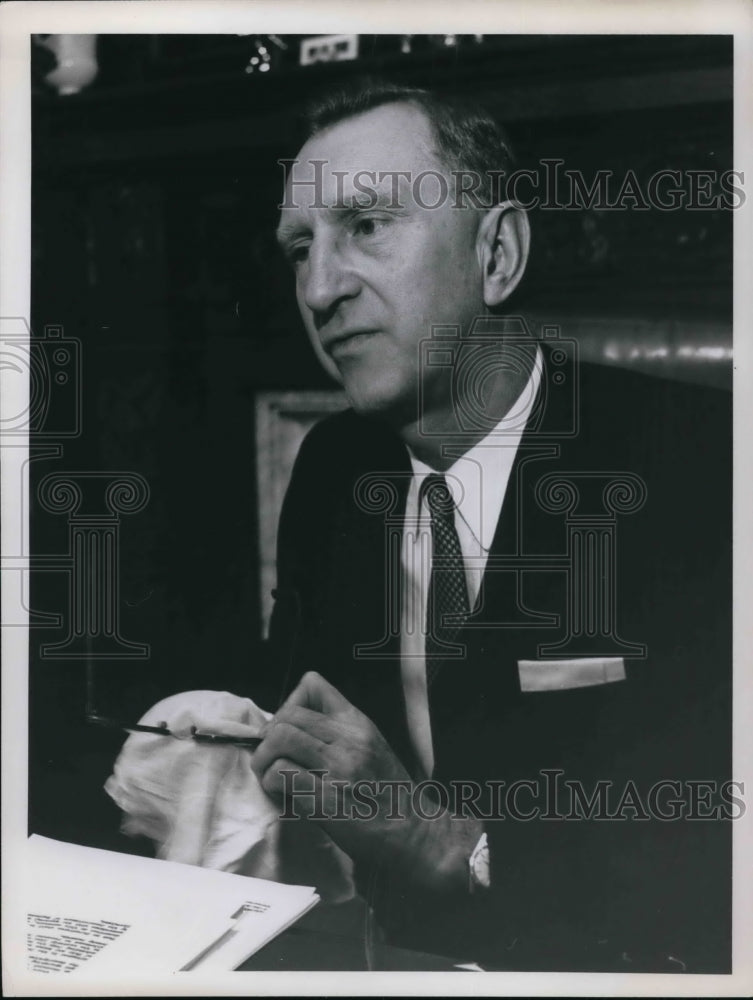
{"points": [[92, 911]]}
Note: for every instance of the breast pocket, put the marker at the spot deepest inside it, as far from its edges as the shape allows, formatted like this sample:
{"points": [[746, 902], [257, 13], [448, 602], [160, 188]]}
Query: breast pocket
{"points": [[537, 676], [576, 714]]}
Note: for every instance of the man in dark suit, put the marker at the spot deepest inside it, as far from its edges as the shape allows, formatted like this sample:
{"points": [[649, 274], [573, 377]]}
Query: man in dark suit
{"points": [[503, 581]]}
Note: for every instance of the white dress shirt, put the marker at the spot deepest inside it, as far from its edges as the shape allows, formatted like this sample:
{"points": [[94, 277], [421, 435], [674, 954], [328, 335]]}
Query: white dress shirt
{"points": [[478, 483]]}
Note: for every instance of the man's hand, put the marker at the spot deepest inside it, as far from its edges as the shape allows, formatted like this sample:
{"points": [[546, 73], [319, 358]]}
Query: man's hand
{"points": [[332, 765]]}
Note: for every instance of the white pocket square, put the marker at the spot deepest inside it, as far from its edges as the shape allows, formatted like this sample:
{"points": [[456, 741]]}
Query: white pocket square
{"points": [[559, 675]]}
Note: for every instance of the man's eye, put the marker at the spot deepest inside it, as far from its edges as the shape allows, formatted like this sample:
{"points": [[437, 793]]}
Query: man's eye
{"points": [[368, 225], [297, 254]]}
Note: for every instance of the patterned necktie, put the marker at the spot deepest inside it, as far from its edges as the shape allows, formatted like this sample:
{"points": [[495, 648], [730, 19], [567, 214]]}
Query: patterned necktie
{"points": [[447, 605]]}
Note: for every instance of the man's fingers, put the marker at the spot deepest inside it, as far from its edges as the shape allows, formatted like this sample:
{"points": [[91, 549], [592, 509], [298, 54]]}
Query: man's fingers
{"points": [[321, 727], [315, 693], [285, 740], [284, 776]]}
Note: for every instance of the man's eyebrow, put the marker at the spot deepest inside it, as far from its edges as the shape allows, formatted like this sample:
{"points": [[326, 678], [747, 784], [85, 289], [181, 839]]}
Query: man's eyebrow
{"points": [[354, 201], [286, 232], [372, 197], [351, 204]]}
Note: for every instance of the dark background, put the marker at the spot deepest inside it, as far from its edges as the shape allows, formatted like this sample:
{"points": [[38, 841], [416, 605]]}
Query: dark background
{"points": [[154, 197]]}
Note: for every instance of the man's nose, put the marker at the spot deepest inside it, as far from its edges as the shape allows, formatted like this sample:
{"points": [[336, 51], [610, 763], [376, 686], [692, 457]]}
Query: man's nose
{"points": [[328, 279]]}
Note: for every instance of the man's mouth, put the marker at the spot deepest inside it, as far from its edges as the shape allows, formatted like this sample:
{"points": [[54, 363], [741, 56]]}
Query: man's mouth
{"points": [[347, 341]]}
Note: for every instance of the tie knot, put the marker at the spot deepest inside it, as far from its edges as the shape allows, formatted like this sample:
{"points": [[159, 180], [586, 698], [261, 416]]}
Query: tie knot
{"points": [[438, 496]]}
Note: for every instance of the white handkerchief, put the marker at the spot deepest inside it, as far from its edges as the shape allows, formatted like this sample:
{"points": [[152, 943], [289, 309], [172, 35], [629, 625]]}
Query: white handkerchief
{"points": [[559, 675], [204, 805]]}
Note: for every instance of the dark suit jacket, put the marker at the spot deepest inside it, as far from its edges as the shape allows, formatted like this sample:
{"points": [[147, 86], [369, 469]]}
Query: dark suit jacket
{"points": [[624, 894]]}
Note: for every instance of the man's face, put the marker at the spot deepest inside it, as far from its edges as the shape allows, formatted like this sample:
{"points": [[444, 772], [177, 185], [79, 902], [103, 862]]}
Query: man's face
{"points": [[372, 281]]}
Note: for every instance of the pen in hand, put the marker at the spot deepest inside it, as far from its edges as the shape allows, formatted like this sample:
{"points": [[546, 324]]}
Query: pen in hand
{"points": [[250, 742], [199, 736]]}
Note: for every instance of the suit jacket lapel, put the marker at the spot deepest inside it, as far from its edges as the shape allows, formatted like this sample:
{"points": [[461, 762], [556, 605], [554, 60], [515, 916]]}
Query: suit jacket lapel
{"points": [[367, 584]]}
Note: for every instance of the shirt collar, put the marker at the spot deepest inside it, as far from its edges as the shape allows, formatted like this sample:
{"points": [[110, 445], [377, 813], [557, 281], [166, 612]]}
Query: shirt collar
{"points": [[478, 479]]}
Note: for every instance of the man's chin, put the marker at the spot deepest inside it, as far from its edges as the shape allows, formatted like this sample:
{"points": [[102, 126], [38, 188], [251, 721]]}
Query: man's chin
{"points": [[381, 402]]}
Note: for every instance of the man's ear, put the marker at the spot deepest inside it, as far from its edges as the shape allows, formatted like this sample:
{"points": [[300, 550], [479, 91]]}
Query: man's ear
{"points": [[503, 243]]}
